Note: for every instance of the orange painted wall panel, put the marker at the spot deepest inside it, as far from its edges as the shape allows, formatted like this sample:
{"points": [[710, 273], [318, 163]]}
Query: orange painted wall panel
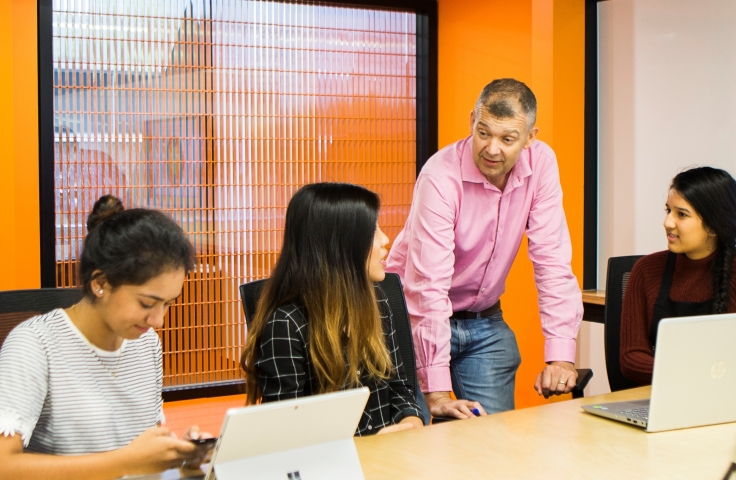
{"points": [[540, 42], [568, 121], [479, 40], [7, 163], [19, 212]]}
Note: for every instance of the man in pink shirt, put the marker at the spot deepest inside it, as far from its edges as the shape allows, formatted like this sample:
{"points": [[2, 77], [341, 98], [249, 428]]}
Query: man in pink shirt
{"points": [[473, 202]]}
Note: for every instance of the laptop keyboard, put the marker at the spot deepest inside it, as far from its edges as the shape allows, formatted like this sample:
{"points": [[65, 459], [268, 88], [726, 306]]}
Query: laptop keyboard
{"points": [[637, 412]]}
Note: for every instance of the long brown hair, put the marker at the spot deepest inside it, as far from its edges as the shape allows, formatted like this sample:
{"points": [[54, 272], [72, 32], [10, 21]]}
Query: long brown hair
{"points": [[323, 266]]}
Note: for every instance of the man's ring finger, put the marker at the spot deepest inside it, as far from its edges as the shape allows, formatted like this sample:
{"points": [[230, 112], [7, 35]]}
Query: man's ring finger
{"points": [[562, 383]]}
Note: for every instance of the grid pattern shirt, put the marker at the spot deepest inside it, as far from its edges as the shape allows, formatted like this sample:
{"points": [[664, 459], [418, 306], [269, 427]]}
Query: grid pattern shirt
{"points": [[285, 369], [58, 392]]}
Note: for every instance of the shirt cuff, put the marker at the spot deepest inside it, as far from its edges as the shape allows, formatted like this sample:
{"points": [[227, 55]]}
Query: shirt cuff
{"points": [[434, 379], [407, 412], [559, 350]]}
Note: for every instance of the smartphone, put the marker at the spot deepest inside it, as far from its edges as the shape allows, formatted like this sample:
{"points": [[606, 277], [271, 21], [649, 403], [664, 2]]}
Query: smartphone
{"points": [[203, 452], [204, 441]]}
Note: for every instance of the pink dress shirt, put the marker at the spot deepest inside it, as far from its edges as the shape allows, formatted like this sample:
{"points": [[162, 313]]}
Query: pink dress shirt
{"points": [[460, 241]]}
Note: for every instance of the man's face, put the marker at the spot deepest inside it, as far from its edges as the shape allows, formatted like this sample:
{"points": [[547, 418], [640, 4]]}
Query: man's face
{"points": [[497, 143]]}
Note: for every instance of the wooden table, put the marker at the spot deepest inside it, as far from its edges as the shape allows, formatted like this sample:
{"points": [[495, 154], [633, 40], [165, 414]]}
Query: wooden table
{"points": [[558, 440], [552, 441], [594, 304]]}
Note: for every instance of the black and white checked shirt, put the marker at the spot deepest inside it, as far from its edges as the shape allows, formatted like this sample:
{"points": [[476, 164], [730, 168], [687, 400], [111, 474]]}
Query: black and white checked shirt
{"points": [[285, 369]]}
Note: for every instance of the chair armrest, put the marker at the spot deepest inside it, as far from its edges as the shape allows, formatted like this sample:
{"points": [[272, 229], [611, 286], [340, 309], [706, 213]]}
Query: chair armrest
{"points": [[584, 376]]}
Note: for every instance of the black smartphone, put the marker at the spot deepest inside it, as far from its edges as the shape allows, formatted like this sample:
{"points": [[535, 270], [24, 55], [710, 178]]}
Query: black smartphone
{"points": [[204, 441], [202, 453]]}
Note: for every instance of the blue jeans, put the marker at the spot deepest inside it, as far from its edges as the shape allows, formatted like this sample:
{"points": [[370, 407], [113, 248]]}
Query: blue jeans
{"points": [[484, 358]]}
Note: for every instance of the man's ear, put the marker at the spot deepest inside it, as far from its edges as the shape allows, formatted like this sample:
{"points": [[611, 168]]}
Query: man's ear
{"points": [[531, 136], [472, 121]]}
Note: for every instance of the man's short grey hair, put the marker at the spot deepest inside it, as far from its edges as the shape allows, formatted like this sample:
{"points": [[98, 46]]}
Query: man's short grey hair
{"points": [[503, 96]]}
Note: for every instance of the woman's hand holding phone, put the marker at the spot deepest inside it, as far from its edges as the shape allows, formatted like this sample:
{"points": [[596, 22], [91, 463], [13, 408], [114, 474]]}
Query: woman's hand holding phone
{"points": [[204, 445], [156, 450]]}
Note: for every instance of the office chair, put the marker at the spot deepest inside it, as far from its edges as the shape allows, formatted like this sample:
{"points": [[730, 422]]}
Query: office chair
{"points": [[249, 295], [17, 306], [584, 376], [391, 286], [619, 269]]}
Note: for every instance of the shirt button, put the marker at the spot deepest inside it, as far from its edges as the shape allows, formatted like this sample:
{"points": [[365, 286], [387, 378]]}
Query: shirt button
{"points": [[370, 427], [358, 372], [483, 290], [421, 382]]}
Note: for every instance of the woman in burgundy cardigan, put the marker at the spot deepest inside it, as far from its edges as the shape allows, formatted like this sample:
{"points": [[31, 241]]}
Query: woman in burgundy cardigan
{"points": [[692, 277]]}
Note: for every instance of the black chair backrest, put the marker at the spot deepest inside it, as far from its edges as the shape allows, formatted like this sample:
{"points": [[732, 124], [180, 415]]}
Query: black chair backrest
{"points": [[249, 295], [17, 306], [391, 286], [394, 291], [619, 269]]}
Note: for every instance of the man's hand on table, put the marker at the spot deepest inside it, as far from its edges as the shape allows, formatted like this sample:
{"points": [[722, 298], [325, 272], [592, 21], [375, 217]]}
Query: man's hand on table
{"points": [[556, 378], [441, 404]]}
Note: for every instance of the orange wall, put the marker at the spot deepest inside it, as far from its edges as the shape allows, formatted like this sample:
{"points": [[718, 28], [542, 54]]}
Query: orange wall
{"points": [[19, 234], [540, 42]]}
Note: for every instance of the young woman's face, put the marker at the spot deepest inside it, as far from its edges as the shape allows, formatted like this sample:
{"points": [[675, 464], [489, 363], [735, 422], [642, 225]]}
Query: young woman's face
{"points": [[377, 258], [131, 310], [685, 230]]}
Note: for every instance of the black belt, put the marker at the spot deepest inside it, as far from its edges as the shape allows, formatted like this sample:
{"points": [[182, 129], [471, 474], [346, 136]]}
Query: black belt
{"points": [[467, 314]]}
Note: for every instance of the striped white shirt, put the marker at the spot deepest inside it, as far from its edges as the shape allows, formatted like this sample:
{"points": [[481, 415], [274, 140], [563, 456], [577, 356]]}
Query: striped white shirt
{"points": [[58, 392]]}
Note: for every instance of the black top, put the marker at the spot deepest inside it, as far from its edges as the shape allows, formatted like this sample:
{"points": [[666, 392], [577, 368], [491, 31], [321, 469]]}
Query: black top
{"points": [[285, 369]]}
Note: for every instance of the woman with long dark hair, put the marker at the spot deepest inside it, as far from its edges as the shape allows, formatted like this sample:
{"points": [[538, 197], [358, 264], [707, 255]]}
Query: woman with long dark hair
{"points": [[693, 276], [80, 388], [319, 326]]}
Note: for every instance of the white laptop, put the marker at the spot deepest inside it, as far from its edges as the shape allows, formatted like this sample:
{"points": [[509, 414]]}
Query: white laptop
{"points": [[308, 438], [694, 380]]}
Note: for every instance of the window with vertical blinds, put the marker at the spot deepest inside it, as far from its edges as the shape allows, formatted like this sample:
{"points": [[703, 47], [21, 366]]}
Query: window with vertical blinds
{"points": [[216, 112]]}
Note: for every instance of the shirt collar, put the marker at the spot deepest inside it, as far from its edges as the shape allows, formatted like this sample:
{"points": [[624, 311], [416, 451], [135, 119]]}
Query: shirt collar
{"points": [[523, 167], [468, 169]]}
